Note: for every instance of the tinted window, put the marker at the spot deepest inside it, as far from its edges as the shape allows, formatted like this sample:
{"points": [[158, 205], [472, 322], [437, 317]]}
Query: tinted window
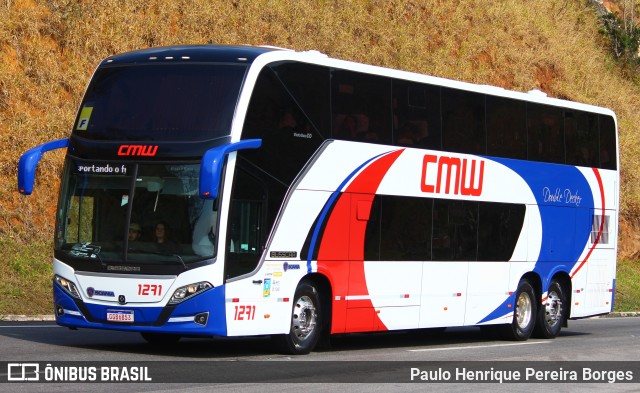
{"points": [[463, 122], [607, 143], [455, 235], [506, 128], [288, 134], [424, 229], [581, 138], [416, 115], [372, 234], [399, 229], [246, 230], [361, 107], [309, 86], [545, 134], [498, 230], [160, 103]]}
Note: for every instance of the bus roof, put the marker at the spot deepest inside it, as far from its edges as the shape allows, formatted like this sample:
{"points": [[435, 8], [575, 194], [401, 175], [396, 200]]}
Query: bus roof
{"points": [[245, 54], [193, 53]]}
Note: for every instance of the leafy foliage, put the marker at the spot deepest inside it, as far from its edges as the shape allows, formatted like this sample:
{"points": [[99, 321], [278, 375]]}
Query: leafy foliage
{"points": [[625, 41]]}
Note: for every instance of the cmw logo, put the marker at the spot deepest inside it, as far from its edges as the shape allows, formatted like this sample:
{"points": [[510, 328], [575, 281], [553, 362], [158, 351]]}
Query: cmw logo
{"points": [[137, 150], [465, 183], [23, 372]]}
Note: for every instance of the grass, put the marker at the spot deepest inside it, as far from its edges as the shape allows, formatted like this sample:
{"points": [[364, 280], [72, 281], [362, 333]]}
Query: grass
{"points": [[628, 286], [26, 278], [49, 49]]}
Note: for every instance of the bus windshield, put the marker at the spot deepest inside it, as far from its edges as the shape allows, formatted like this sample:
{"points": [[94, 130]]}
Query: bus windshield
{"points": [[136, 213], [160, 102]]}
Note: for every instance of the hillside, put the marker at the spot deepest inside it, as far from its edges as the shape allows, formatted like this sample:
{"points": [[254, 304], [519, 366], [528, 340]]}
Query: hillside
{"points": [[48, 50]]}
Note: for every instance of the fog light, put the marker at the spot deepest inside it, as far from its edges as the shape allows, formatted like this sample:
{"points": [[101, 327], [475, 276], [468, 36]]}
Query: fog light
{"points": [[201, 319], [59, 311]]}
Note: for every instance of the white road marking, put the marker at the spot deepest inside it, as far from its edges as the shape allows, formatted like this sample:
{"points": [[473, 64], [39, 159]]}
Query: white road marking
{"points": [[478, 346], [29, 326]]}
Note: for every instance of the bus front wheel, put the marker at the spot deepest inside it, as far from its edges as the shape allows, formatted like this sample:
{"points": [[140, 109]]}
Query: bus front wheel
{"points": [[305, 321], [524, 314]]}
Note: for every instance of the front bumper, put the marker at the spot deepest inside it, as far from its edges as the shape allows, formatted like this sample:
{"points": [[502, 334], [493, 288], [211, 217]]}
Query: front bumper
{"points": [[185, 318]]}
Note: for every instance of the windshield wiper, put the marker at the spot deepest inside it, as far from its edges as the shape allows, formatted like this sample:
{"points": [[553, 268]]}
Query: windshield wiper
{"points": [[181, 261], [87, 250], [104, 265]]}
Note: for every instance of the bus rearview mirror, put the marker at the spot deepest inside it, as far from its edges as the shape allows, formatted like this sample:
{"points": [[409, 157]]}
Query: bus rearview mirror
{"points": [[29, 161], [213, 162]]}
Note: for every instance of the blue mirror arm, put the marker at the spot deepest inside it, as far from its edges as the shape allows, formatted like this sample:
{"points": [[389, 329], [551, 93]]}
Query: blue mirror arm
{"points": [[213, 162], [29, 161]]}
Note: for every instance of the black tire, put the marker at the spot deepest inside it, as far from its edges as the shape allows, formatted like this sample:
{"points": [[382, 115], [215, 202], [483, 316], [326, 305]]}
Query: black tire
{"points": [[306, 322], [552, 313], [524, 314], [160, 338]]}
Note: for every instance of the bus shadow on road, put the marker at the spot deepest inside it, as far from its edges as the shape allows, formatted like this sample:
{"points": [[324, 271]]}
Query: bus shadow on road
{"points": [[247, 347], [430, 338]]}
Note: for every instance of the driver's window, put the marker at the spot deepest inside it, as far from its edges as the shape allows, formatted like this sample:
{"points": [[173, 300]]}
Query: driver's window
{"points": [[246, 232], [79, 228]]}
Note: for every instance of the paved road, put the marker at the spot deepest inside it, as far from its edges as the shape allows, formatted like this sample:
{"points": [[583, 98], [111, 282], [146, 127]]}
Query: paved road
{"points": [[604, 339]]}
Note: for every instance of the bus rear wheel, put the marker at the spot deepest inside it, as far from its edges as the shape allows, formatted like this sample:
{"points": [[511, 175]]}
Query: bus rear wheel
{"points": [[524, 314], [552, 313], [306, 322]]}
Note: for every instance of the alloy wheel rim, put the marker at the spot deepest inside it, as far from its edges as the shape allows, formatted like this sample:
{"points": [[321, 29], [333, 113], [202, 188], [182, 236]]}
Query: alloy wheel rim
{"points": [[304, 318], [523, 310]]}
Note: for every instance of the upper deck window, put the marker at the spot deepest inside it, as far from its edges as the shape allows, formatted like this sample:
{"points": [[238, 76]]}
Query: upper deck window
{"points": [[160, 102]]}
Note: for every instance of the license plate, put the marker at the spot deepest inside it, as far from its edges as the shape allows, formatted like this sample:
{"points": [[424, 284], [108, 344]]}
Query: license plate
{"points": [[119, 316]]}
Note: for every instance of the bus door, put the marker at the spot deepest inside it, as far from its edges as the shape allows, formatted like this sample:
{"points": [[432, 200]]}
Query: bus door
{"points": [[384, 291]]}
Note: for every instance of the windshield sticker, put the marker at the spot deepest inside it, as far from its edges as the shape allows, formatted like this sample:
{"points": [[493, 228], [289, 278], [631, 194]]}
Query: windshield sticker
{"points": [[266, 289], [106, 168], [85, 250], [83, 121], [275, 285], [124, 200]]}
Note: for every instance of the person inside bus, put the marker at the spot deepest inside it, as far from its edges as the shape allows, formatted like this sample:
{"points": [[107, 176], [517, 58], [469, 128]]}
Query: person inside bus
{"points": [[203, 230], [355, 128], [584, 157], [407, 134], [287, 120], [134, 232], [162, 239], [347, 127]]}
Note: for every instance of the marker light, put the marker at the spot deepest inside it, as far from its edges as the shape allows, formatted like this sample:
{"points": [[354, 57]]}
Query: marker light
{"points": [[67, 286], [183, 293]]}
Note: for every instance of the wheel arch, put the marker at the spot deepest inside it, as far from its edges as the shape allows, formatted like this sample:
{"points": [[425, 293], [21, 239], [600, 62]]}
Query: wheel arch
{"points": [[322, 284], [535, 281], [325, 293], [565, 282]]}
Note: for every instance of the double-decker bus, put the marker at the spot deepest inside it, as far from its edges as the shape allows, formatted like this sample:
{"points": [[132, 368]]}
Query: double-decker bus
{"points": [[237, 191]]}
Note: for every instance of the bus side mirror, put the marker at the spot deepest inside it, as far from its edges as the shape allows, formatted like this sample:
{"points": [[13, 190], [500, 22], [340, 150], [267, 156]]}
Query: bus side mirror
{"points": [[29, 161], [213, 162]]}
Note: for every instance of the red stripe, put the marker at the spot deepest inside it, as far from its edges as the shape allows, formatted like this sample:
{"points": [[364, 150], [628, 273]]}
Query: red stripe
{"points": [[343, 240], [595, 243]]}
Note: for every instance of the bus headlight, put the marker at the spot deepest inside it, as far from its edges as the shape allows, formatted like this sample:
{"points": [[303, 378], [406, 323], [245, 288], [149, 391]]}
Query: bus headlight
{"points": [[183, 293], [67, 286]]}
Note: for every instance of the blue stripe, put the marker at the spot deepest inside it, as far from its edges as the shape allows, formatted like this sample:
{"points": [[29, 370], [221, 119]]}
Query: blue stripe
{"points": [[327, 207], [566, 224]]}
